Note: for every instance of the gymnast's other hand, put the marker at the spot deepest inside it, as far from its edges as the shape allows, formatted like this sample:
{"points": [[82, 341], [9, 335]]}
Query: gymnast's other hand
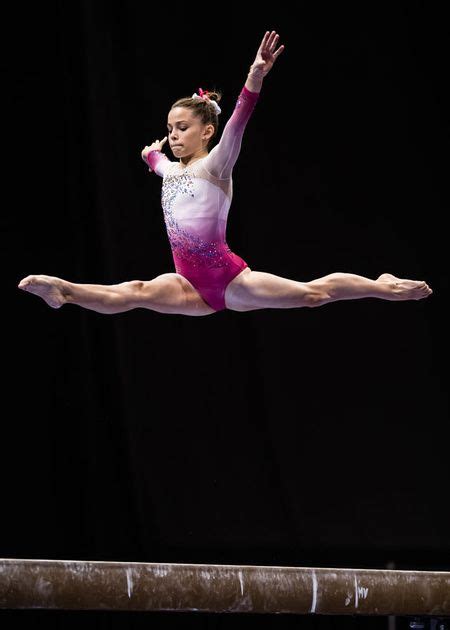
{"points": [[156, 146]]}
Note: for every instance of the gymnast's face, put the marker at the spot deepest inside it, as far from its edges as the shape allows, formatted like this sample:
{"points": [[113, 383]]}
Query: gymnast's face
{"points": [[188, 136]]}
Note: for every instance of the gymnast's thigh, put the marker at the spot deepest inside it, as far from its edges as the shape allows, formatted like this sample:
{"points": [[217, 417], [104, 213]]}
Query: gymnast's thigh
{"points": [[173, 293], [251, 290]]}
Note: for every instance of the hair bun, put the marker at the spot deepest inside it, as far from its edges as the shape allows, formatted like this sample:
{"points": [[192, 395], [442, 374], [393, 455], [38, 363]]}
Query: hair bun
{"points": [[209, 97], [213, 96]]}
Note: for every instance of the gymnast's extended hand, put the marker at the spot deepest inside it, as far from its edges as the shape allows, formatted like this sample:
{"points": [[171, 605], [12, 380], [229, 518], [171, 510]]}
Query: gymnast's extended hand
{"points": [[266, 57]]}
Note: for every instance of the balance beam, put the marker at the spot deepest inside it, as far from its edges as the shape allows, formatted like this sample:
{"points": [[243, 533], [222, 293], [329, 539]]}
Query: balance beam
{"points": [[95, 585]]}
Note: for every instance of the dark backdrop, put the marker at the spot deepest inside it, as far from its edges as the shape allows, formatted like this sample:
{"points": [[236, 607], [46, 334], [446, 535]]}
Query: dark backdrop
{"points": [[302, 437]]}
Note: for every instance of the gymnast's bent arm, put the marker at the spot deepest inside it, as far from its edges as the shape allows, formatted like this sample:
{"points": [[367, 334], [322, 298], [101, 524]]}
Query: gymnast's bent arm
{"points": [[154, 158]]}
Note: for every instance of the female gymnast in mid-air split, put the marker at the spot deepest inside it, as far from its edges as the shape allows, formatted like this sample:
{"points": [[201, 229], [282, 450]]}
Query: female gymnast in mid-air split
{"points": [[196, 197]]}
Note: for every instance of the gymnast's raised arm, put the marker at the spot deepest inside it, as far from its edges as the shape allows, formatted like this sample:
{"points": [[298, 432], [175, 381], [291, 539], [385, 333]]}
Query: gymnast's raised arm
{"points": [[223, 156]]}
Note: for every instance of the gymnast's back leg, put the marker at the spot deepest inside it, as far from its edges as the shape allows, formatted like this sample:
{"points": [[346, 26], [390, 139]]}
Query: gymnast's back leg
{"points": [[252, 290], [168, 293]]}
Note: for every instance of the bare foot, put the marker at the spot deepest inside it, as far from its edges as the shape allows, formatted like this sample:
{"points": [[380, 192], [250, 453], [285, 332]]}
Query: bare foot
{"points": [[49, 288], [401, 289]]}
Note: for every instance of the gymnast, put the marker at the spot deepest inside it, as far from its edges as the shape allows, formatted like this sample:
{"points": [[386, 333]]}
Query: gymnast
{"points": [[197, 190]]}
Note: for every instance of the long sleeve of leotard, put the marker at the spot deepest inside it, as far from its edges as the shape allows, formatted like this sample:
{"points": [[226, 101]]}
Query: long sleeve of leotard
{"points": [[223, 156], [157, 161]]}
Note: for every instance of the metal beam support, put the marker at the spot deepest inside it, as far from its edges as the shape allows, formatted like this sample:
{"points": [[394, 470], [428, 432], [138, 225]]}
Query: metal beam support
{"points": [[95, 585]]}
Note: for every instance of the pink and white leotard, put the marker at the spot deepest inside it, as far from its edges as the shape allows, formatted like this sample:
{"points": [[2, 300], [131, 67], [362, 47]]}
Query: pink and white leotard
{"points": [[196, 200]]}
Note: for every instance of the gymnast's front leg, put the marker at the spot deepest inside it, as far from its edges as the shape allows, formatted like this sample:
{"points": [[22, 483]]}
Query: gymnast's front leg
{"points": [[168, 293]]}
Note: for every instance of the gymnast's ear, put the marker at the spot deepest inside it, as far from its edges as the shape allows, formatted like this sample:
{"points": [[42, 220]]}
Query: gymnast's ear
{"points": [[208, 131]]}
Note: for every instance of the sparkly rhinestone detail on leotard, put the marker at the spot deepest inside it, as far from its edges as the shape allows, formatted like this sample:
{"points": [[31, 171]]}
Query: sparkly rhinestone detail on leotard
{"points": [[185, 245]]}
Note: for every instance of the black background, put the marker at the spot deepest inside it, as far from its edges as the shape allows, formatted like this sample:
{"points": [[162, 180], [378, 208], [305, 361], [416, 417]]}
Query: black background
{"points": [[299, 437]]}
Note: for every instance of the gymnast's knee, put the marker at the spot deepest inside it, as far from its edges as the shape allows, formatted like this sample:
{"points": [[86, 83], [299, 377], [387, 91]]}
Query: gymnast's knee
{"points": [[314, 296]]}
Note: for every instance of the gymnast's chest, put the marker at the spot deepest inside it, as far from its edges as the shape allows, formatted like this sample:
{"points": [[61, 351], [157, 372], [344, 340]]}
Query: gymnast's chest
{"points": [[184, 195]]}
